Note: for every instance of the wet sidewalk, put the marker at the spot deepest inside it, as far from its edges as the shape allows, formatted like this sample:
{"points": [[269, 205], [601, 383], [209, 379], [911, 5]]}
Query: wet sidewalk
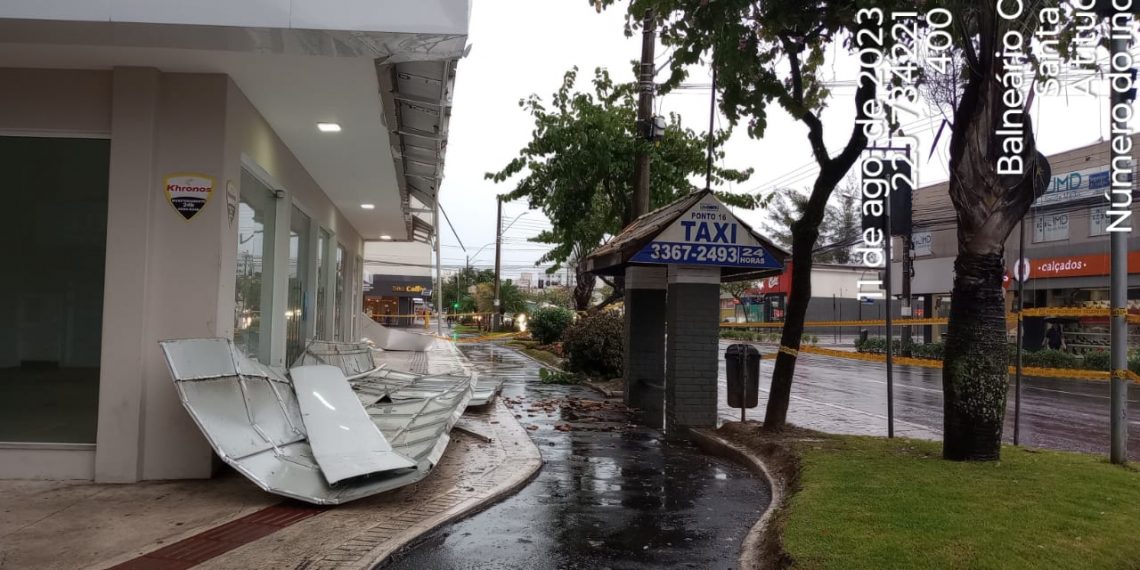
{"points": [[610, 495], [227, 522]]}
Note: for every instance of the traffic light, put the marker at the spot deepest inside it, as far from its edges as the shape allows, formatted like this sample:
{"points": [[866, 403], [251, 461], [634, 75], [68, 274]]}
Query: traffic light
{"points": [[455, 305]]}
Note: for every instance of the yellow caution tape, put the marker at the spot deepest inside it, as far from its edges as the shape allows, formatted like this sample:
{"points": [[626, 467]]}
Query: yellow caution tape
{"points": [[789, 351], [1071, 373], [873, 323], [1118, 312], [1013, 317]]}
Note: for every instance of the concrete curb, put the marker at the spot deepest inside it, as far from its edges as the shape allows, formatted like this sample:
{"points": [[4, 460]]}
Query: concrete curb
{"points": [[752, 550], [603, 391], [528, 466], [414, 535]]}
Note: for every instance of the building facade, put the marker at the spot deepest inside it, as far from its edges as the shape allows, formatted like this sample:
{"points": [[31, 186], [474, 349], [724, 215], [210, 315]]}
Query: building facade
{"points": [[834, 297], [184, 170], [1066, 246]]}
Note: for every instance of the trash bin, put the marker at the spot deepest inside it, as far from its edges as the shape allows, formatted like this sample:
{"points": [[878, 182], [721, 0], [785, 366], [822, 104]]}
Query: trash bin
{"points": [[742, 363]]}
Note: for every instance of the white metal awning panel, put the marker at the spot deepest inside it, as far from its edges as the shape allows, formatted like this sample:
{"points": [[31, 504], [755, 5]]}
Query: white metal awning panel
{"points": [[251, 416], [392, 339], [344, 440]]}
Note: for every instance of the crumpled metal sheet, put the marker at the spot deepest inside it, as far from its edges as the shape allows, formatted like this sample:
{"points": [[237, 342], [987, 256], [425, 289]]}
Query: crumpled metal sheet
{"points": [[485, 391], [414, 412], [345, 442], [252, 418], [393, 339]]}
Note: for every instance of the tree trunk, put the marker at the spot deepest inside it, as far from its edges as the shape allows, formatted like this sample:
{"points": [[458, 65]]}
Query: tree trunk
{"points": [[975, 375], [583, 286], [803, 241], [988, 204]]}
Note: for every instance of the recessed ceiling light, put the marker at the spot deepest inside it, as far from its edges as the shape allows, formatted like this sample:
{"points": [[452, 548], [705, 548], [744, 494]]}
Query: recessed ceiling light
{"points": [[385, 237], [328, 127], [368, 206]]}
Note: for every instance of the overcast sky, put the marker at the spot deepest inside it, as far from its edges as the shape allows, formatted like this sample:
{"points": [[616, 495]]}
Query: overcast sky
{"points": [[519, 47]]}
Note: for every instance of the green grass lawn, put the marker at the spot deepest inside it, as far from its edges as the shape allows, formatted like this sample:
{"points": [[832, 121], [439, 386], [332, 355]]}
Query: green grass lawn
{"points": [[880, 504]]}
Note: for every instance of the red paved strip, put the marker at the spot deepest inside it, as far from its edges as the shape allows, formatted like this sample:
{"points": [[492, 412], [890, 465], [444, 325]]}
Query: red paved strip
{"points": [[221, 539]]}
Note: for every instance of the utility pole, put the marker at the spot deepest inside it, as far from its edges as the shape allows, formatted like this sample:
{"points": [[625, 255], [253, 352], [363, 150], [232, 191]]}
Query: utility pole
{"points": [[1118, 255], [1020, 341], [646, 88], [438, 274], [890, 328], [496, 314], [712, 119], [907, 305]]}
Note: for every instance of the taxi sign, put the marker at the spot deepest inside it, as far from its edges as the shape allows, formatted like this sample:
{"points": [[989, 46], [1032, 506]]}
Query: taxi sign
{"points": [[707, 234]]}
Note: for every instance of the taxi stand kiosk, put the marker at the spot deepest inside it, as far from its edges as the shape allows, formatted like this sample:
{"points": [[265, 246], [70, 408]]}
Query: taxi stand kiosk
{"points": [[673, 260]]}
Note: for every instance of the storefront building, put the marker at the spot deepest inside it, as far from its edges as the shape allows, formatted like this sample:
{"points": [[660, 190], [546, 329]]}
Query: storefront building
{"points": [[1066, 247], [181, 170], [398, 300], [834, 296]]}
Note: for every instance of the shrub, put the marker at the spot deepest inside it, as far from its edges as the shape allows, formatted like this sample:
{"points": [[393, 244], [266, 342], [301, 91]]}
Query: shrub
{"points": [[548, 323], [1134, 363], [1050, 358], [878, 345], [932, 351], [593, 345], [1097, 360]]}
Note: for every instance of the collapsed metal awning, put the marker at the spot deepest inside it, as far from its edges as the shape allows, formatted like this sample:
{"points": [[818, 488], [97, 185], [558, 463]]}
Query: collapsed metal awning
{"points": [[286, 433]]}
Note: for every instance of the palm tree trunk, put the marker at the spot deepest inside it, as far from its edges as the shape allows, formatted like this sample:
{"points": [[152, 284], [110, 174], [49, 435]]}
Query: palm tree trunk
{"points": [[975, 375]]}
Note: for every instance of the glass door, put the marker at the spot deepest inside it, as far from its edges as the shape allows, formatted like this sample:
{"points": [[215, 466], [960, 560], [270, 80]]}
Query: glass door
{"points": [[323, 271], [338, 294], [257, 214], [54, 221], [298, 309]]}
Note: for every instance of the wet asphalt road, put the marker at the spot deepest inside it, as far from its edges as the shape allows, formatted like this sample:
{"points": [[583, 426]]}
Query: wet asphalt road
{"points": [[610, 494], [849, 396]]}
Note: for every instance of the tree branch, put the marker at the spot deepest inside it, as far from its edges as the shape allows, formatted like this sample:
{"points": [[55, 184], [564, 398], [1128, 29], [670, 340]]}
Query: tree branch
{"points": [[613, 298], [815, 127]]}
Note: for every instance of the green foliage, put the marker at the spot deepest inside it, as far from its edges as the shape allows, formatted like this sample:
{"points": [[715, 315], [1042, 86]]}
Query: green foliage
{"points": [[547, 324], [932, 351], [877, 345], [739, 334], [1097, 360], [551, 376], [593, 345], [872, 503], [839, 232], [557, 296], [510, 297], [455, 289], [579, 167], [1134, 362], [736, 288], [1050, 358]]}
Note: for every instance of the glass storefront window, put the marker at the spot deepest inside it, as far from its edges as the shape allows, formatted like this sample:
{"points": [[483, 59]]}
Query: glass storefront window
{"points": [[51, 324], [254, 288], [322, 276], [338, 294], [297, 311]]}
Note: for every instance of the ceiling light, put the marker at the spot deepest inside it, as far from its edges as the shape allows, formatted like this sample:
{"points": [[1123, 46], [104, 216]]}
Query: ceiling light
{"points": [[385, 237], [368, 206], [328, 127]]}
